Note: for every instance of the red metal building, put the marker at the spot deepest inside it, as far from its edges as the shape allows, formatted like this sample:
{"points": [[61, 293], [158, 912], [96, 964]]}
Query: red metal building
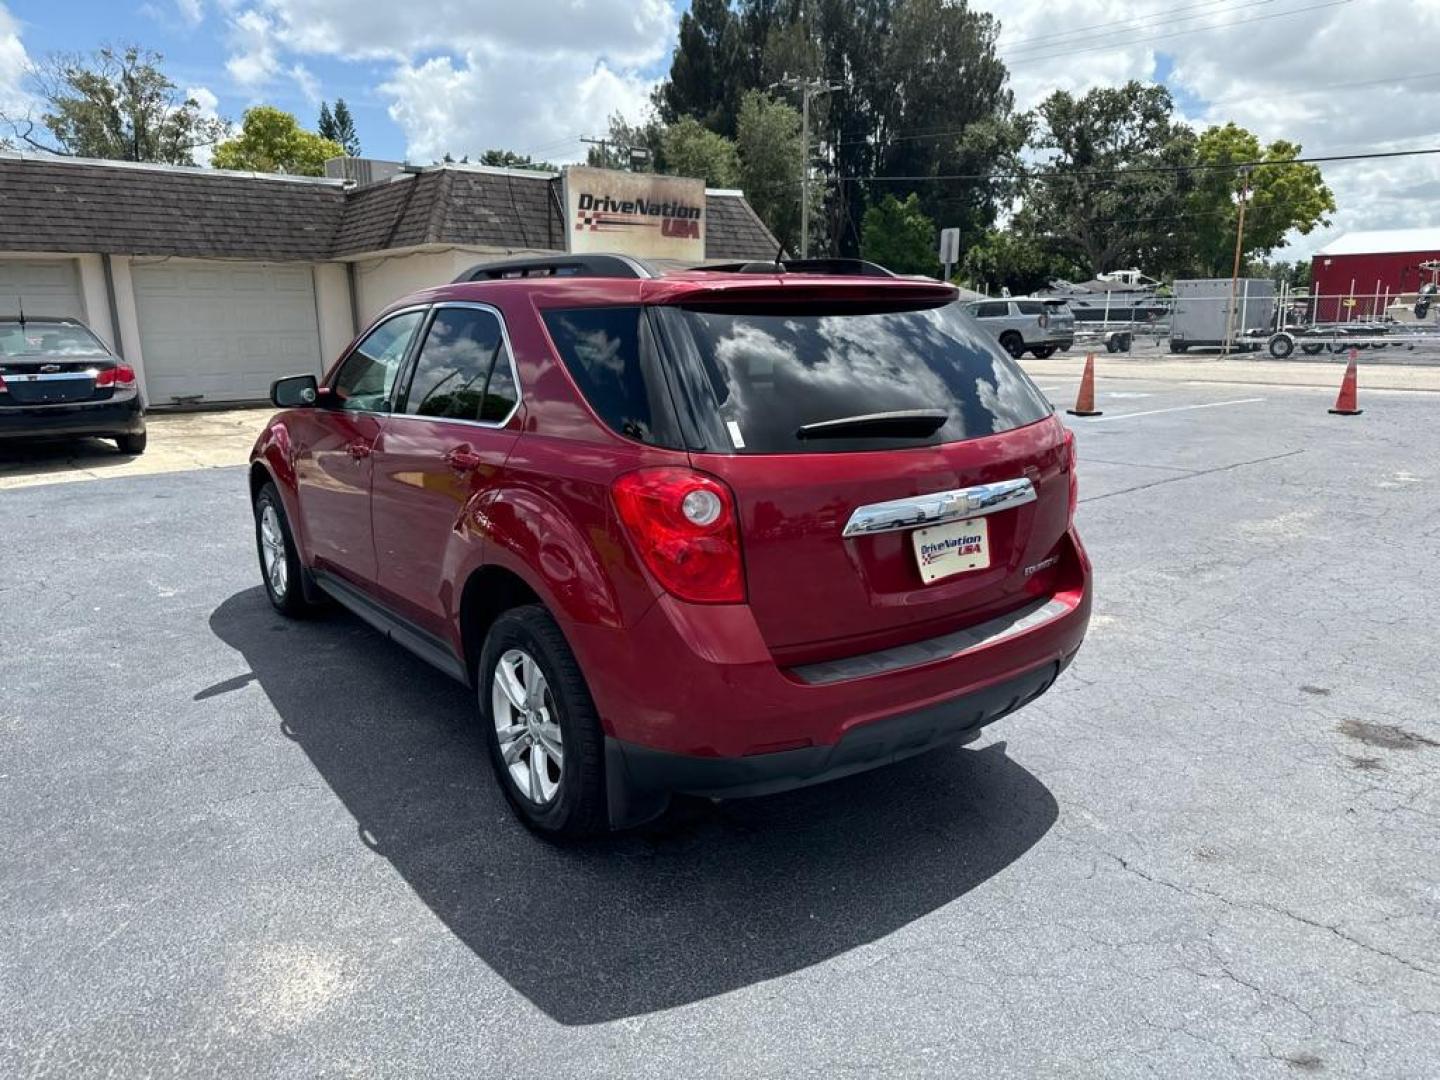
{"points": [[1356, 274]]}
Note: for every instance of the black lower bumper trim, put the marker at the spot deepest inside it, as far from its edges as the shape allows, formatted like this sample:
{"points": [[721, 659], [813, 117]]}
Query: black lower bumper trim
{"points": [[104, 419], [640, 780]]}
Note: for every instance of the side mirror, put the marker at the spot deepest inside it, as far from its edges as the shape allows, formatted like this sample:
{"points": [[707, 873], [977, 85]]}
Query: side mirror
{"points": [[295, 392]]}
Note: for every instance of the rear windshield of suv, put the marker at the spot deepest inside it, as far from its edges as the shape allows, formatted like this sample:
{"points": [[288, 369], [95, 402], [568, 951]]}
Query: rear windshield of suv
{"points": [[748, 381], [765, 376]]}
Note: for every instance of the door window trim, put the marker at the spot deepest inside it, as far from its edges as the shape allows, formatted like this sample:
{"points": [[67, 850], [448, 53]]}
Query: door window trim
{"points": [[405, 361], [412, 360]]}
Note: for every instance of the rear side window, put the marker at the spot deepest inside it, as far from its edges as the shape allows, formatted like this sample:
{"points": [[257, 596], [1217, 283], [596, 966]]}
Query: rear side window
{"points": [[762, 376], [610, 353], [1030, 307], [463, 370], [992, 311]]}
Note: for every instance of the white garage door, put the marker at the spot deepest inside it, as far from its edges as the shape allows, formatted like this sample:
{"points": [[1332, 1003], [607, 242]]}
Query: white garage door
{"points": [[47, 287], [223, 331]]}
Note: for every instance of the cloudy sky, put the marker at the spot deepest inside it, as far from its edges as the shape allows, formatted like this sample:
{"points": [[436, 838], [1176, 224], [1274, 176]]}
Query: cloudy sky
{"points": [[424, 77]]}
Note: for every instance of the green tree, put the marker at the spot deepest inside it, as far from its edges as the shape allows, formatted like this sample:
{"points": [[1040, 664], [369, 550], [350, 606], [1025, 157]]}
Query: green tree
{"points": [[771, 152], [1104, 194], [899, 236], [508, 159], [920, 91], [115, 103], [693, 150], [1003, 259], [345, 133], [1280, 198], [325, 126], [707, 73], [271, 140]]}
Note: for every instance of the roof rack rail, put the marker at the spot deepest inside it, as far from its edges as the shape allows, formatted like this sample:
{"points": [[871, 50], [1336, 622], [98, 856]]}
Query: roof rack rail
{"points": [[834, 267], [606, 266]]}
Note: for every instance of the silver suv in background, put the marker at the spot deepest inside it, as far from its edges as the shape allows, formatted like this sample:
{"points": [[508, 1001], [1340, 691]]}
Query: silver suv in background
{"points": [[1042, 326]]}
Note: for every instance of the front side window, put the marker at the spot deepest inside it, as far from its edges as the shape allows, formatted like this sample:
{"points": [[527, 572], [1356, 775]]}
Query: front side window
{"points": [[463, 370], [366, 380]]}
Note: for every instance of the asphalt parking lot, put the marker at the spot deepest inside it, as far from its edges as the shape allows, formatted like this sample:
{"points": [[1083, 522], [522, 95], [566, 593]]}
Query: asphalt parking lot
{"points": [[235, 845]]}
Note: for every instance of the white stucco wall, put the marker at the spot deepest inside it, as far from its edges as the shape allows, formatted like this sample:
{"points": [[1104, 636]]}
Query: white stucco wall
{"points": [[97, 299], [381, 281], [332, 308]]}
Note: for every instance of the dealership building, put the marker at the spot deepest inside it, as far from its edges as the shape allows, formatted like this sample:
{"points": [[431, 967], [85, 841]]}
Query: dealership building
{"points": [[214, 283]]}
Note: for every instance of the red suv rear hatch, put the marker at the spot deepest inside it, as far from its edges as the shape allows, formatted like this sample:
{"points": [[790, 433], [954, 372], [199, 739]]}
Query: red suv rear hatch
{"points": [[814, 408]]}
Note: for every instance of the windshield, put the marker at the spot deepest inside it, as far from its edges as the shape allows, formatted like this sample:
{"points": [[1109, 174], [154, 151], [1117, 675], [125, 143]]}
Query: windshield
{"points": [[37, 338], [766, 376]]}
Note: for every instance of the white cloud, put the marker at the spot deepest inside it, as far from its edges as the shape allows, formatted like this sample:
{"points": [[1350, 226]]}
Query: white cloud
{"points": [[13, 63], [1281, 77], [192, 11], [467, 76], [256, 60], [547, 103], [309, 85]]}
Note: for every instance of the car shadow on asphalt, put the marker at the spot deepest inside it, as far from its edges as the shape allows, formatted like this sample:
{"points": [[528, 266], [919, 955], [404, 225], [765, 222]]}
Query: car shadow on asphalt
{"points": [[712, 898]]}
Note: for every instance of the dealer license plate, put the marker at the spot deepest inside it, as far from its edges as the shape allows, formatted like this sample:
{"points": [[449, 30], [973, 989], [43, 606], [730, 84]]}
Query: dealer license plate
{"points": [[945, 550]]}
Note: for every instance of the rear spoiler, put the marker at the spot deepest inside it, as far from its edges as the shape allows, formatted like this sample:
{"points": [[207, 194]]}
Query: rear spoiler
{"points": [[764, 290]]}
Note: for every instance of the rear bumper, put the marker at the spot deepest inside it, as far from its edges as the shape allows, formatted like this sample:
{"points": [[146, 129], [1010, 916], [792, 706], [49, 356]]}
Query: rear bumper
{"points": [[640, 780], [119, 416], [690, 690]]}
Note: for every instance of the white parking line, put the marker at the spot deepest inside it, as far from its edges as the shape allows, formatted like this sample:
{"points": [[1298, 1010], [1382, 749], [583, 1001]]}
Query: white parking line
{"points": [[1177, 408]]}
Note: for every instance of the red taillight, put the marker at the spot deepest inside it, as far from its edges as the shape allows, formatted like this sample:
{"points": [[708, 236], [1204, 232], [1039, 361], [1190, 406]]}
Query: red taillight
{"points": [[1072, 458], [3, 387], [120, 376], [684, 526]]}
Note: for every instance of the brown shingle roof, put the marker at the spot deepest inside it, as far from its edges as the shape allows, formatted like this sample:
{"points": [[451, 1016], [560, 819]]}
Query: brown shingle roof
{"points": [[57, 205], [61, 206]]}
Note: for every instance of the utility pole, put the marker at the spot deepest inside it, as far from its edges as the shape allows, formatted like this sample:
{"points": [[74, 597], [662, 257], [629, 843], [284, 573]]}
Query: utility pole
{"points": [[604, 145], [1239, 247], [808, 89]]}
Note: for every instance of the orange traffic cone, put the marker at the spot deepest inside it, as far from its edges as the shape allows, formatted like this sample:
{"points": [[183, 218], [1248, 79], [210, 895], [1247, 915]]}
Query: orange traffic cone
{"points": [[1085, 400], [1345, 404]]}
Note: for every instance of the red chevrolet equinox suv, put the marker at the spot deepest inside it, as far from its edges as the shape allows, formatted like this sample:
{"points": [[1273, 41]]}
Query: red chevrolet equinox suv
{"points": [[721, 532]]}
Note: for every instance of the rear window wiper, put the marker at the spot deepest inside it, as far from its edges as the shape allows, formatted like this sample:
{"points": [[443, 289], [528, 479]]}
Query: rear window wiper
{"points": [[900, 424]]}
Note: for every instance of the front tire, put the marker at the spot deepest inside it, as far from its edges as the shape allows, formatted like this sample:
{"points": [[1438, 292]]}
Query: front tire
{"points": [[279, 560], [1043, 352], [545, 740]]}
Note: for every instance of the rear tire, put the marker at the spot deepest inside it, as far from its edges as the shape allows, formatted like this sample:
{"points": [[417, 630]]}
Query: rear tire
{"points": [[280, 566], [1013, 344], [131, 444], [562, 800], [1312, 348]]}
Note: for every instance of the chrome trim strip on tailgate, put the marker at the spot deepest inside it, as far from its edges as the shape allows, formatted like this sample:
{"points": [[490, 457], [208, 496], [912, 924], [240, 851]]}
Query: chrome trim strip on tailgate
{"points": [[945, 647], [50, 376], [940, 507]]}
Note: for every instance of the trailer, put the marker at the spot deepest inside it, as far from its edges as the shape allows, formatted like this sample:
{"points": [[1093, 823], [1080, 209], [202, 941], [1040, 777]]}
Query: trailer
{"points": [[1220, 311]]}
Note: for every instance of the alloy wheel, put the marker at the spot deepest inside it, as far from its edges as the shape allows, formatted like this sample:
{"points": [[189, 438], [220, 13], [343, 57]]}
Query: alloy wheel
{"points": [[524, 712], [272, 551]]}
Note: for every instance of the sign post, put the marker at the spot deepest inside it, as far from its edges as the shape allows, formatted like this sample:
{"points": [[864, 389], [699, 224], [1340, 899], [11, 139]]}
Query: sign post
{"points": [[949, 249]]}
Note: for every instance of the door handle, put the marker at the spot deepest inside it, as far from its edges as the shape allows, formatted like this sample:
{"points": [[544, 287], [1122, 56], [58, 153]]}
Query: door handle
{"points": [[359, 450], [462, 458]]}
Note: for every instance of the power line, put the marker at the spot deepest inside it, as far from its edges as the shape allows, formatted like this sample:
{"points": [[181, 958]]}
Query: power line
{"points": [[1158, 13], [1135, 170], [1068, 41], [1066, 53]]}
